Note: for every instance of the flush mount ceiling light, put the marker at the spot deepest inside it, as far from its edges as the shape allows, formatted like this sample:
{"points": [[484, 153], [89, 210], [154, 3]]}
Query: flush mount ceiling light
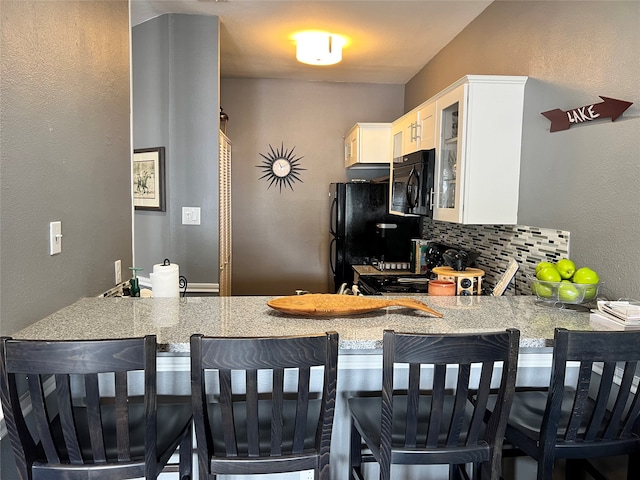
{"points": [[319, 48]]}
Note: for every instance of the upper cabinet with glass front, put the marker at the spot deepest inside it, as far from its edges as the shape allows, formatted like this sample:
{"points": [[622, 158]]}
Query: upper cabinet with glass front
{"points": [[478, 147]]}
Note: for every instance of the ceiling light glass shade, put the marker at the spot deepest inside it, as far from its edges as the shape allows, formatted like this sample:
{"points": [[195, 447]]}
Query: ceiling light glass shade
{"points": [[319, 48]]}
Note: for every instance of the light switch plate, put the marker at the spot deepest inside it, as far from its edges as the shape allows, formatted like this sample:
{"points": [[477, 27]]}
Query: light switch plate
{"points": [[55, 238], [191, 215], [118, 271]]}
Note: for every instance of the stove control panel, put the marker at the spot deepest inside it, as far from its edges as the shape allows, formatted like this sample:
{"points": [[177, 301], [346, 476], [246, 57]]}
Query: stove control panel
{"points": [[383, 266]]}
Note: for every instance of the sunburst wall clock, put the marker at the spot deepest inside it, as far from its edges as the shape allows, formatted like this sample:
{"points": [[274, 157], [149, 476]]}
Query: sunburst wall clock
{"points": [[281, 167]]}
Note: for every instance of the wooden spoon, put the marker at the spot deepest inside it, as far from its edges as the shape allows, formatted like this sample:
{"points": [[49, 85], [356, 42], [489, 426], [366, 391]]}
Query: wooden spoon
{"points": [[328, 304]]}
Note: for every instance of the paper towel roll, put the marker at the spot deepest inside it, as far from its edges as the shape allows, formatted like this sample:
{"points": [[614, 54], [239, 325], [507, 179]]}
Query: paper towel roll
{"points": [[165, 281]]}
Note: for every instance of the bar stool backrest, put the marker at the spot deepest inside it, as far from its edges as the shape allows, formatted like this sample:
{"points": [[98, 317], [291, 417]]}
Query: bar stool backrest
{"points": [[81, 415], [454, 426], [605, 405], [255, 409]]}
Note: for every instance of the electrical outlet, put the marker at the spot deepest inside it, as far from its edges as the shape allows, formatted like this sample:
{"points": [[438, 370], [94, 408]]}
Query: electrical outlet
{"points": [[118, 271], [307, 475]]}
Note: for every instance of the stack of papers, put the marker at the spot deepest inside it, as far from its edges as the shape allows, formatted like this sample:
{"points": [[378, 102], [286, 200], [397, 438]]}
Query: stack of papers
{"points": [[627, 311], [618, 315]]}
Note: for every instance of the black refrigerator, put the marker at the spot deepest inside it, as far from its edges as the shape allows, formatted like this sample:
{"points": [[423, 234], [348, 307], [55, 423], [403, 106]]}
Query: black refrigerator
{"points": [[361, 230]]}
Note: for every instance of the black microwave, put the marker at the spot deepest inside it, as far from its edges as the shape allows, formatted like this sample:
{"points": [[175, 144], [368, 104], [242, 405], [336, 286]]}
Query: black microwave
{"points": [[412, 183]]}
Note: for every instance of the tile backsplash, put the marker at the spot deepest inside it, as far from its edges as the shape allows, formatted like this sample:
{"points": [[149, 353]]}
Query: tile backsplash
{"points": [[497, 244]]}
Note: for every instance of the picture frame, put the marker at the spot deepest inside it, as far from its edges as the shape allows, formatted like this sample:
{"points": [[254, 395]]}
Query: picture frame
{"points": [[149, 179]]}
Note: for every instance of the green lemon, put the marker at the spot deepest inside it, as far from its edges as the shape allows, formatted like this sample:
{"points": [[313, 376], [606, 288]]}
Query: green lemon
{"points": [[541, 265], [566, 268], [585, 275], [548, 274], [544, 290], [590, 292], [568, 292]]}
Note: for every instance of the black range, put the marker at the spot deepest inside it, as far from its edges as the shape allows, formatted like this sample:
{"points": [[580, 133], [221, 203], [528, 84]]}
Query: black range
{"points": [[389, 284]]}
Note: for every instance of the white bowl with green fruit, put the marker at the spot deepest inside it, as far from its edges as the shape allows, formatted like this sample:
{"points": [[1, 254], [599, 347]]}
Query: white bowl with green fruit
{"points": [[563, 282]]}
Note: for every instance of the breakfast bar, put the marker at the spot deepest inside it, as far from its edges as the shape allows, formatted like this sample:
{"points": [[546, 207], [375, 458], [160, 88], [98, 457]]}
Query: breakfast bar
{"points": [[173, 320]]}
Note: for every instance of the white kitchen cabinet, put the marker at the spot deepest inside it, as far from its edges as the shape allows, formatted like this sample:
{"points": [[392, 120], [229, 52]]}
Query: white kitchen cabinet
{"points": [[478, 147], [404, 135], [368, 143], [426, 122], [414, 131]]}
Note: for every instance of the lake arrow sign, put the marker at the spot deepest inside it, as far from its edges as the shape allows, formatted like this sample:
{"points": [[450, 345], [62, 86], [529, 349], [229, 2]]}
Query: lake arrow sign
{"points": [[609, 108]]}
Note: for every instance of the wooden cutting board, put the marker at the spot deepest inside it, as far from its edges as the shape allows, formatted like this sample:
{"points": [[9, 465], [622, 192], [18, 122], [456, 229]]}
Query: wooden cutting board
{"points": [[328, 304]]}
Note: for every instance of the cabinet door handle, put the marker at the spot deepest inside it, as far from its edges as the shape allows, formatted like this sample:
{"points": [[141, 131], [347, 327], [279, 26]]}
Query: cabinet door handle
{"points": [[413, 132], [417, 135]]}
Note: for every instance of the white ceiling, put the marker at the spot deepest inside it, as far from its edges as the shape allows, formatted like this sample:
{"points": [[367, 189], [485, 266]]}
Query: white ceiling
{"points": [[390, 40]]}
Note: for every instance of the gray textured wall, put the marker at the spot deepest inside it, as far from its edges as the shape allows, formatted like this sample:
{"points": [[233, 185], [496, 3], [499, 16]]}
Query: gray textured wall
{"points": [[584, 180], [64, 153], [175, 105], [281, 240]]}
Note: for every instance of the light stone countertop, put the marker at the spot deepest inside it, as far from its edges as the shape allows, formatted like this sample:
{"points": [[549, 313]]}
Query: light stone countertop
{"points": [[173, 320]]}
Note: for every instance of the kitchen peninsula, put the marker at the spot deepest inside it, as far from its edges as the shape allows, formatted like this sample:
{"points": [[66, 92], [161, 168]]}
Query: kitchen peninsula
{"points": [[173, 320]]}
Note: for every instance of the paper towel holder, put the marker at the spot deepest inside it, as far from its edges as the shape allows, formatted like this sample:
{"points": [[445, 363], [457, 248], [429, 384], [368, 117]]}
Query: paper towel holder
{"points": [[135, 286], [182, 280]]}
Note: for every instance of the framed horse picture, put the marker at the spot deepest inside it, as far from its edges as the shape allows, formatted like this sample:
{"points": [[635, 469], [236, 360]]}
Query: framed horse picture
{"points": [[149, 179]]}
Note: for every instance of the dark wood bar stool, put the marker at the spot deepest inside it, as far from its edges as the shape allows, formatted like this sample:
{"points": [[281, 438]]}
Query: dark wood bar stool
{"points": [[589, 409], [424, 415], [74, 411], [254, 406]]}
